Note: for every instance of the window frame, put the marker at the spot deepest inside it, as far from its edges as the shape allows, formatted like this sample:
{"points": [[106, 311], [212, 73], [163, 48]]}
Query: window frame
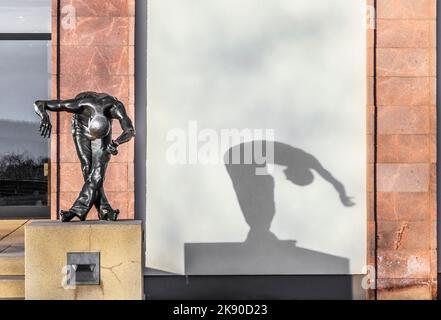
{"points": [[25, 36]]}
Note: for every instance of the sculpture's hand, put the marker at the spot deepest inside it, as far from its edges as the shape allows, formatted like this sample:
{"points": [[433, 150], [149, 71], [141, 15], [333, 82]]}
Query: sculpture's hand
{"points": [[346, 201], [45, 123], [112, 148]]}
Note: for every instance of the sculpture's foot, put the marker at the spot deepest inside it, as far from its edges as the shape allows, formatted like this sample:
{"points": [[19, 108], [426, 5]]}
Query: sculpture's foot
{"points": [[67, 216], [103, 216], [108, 215], [113, 215]]}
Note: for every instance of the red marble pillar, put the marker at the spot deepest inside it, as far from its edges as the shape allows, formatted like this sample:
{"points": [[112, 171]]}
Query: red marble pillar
{"points": [[96, 54], [402, 90]]}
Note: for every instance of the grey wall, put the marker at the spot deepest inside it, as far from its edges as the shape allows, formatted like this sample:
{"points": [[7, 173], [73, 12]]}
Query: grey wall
{"points": [[219, 287], [293, 66]]}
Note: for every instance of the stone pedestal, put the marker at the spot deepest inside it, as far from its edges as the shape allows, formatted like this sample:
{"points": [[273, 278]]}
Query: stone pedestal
{"points": [[48, 274]]}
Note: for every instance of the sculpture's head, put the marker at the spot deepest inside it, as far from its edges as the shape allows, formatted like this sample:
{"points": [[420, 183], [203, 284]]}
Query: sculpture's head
{"points": [[99, 127]]}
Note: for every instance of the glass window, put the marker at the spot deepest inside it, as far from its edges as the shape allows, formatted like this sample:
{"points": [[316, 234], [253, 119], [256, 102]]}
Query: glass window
{"points": [[25, 75], [25, 16], [23, 153]]}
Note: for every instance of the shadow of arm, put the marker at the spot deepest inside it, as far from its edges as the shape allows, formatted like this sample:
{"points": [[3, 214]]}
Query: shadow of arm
{"points": [[325, 174]]}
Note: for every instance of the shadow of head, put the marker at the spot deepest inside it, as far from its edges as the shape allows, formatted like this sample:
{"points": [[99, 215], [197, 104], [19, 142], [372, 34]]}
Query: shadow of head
{"points": [[243, 159], [302, 177]]}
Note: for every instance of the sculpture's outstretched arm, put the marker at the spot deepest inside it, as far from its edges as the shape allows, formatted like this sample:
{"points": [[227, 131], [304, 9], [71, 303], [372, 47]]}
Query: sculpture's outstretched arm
{"points": [[71, 106], [325, 174], [119, 112], [42, 106]]}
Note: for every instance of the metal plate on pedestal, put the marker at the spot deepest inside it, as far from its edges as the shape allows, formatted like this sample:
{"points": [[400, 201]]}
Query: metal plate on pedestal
{"points": [[84, 268]]}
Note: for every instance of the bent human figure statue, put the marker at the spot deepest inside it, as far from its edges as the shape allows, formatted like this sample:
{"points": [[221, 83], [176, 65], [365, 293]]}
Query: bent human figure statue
{"points": [[93, 114]]}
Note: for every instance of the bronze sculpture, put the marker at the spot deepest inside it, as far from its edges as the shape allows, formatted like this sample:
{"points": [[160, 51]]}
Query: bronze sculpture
{"points": [[93, 114]]}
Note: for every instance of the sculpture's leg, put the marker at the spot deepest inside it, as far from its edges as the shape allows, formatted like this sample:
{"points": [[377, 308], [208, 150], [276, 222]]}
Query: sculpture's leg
{"points": [[102, 205], [100, 155], [83, 147], [90, 191], [94, 159], [84, 150]]}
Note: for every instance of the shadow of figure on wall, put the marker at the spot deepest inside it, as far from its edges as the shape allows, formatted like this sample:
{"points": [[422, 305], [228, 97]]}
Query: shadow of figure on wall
{"points": [[262, 252], [255, 189]]}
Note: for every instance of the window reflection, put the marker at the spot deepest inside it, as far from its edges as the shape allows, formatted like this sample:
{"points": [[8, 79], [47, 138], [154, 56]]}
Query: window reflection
{"points": [[25, 76], [25, 16]]}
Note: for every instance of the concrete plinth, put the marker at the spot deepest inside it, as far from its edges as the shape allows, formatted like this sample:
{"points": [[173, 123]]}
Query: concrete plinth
{"points": [[118, 244]]}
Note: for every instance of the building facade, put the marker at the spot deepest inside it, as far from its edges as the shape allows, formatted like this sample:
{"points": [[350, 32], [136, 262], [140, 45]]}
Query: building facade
{"points": [[112, 47]]}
